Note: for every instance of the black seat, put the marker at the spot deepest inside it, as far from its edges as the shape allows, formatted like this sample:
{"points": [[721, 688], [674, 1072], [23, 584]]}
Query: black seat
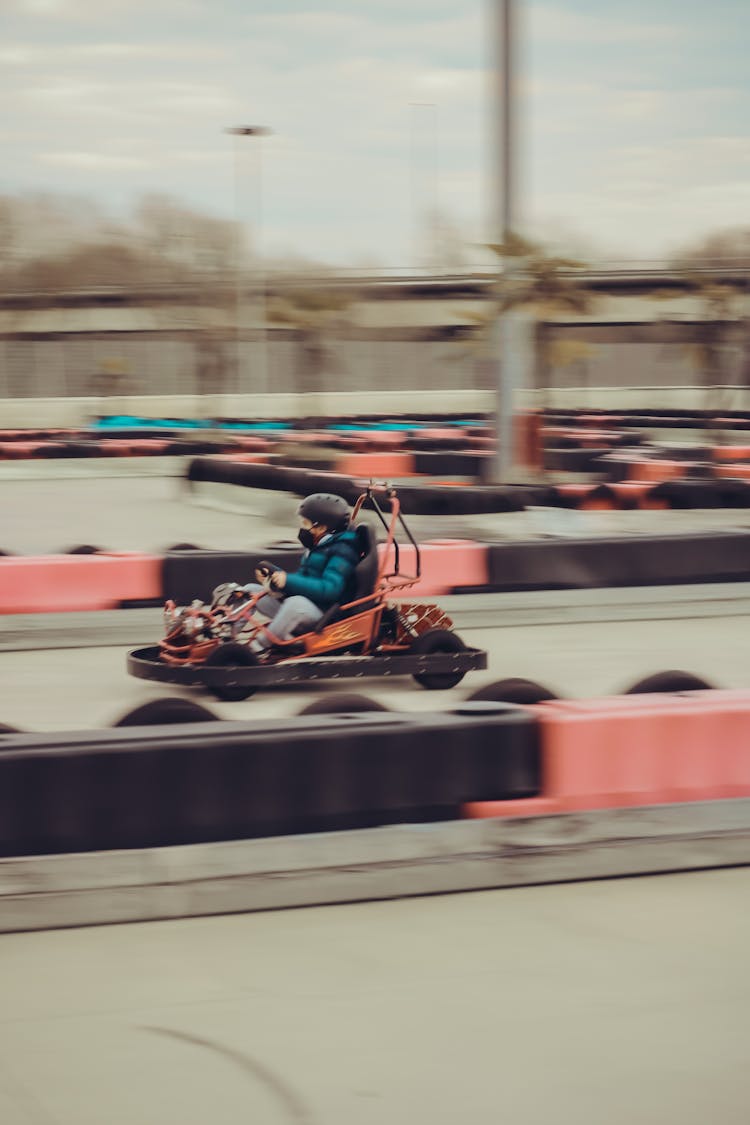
{"points": [[365, 577], [366, 570]]}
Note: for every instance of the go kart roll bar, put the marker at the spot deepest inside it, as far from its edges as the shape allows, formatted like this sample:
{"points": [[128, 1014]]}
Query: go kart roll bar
{"points": [[395, 517]]}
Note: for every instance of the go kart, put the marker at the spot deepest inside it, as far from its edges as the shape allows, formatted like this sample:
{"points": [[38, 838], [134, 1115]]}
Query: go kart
{"points": [[374, 634]]}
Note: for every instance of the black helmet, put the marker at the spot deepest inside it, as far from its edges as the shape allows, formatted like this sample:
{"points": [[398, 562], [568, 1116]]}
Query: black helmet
{"points": [[322, 507]]}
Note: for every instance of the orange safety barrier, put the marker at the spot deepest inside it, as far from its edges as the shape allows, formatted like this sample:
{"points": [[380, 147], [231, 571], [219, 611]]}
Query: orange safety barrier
{"points": [[446, 564], [637, 750], [731, 452], [528, 439], [61, 583], [439, 433], [599, 420], [379, 439], [246, 458], [21, 449], [386, 465], [657, 471], [252, 443], [585, 439], [132, 447], [733, 472]]}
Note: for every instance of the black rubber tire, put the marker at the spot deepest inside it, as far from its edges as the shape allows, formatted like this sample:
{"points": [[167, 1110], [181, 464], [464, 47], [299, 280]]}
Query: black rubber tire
{"points": [[183, 547], [171, 709], [434, 641], [232, 655], [668, 682], [341, 702], [5, 728], [83, 549], [513, 690]]}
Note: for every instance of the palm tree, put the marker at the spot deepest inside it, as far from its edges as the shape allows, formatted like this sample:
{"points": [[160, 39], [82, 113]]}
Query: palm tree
{"points": [[543, 286], [718, 317], [314, 312]]}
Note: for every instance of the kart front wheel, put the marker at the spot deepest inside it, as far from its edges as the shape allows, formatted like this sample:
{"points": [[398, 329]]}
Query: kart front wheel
{"points": [[431, 643], [231, 655]]}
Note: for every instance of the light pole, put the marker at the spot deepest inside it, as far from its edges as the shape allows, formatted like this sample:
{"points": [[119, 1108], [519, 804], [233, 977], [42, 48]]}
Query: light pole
{"points": [[417, 183], [237, 132], [511, 328]]}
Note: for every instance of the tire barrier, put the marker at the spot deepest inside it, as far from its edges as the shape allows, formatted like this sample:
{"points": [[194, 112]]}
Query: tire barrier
{"points": [[688, 494], [440, 499], [673, 681], [171, 709], [446, 564], [512, 690], [187, 574], [416, 499], [189, 783], [456, 450], [450, 464], [637, 750], [342, 702], [722, 556], [573, 460], [104, 580]]}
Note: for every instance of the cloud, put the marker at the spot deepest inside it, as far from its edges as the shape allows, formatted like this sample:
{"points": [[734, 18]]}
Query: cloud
{"points": [[625, 109], [563, 25], [92, 160]]}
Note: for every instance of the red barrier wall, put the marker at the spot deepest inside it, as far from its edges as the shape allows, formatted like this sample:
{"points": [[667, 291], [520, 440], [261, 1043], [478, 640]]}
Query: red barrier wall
{"points": [[446, 563], [656, 471], [63, 583], [388, 465], [637, 750]]}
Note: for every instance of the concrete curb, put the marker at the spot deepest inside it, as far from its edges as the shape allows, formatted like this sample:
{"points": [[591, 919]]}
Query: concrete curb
{"points": [[406, 860]]}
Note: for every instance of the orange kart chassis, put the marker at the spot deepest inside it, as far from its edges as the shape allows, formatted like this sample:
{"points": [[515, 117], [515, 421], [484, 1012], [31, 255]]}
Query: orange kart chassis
{"points": [[358, 631]]}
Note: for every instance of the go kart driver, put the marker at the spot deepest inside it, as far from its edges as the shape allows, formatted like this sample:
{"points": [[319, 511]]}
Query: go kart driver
{"points": [[296, 602]]}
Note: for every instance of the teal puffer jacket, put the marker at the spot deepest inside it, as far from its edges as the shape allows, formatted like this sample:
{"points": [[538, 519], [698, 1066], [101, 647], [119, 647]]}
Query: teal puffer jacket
{"points": [[326, 573]]}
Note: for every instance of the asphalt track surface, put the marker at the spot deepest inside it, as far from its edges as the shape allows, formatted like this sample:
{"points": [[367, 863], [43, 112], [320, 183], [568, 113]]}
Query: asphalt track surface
{"points": [[77, 689], [622, 1001]]}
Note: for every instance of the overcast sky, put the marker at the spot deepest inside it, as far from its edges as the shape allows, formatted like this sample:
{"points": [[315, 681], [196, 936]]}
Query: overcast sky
{"points": [[636, 115]]}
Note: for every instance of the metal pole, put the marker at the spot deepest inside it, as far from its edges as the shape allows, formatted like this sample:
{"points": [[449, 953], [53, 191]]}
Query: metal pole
{"points": [[238, 262], [509, 328], [423, 188], [507, 116], [263, 386], [259, 131]]}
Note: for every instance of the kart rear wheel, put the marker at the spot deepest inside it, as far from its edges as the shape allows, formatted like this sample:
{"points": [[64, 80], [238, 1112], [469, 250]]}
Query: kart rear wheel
{"points": [[432, 642], [231, 655]]}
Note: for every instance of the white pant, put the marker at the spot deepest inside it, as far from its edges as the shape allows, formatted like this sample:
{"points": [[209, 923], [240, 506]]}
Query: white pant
{"points": [[286, 615]]}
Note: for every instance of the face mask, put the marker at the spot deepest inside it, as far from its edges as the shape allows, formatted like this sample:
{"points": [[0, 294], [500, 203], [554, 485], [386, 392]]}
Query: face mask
{"points": [[306, 538]]}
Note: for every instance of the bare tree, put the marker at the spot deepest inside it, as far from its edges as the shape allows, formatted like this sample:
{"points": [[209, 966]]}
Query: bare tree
{"points": [[177, 234], [544, 286]]}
